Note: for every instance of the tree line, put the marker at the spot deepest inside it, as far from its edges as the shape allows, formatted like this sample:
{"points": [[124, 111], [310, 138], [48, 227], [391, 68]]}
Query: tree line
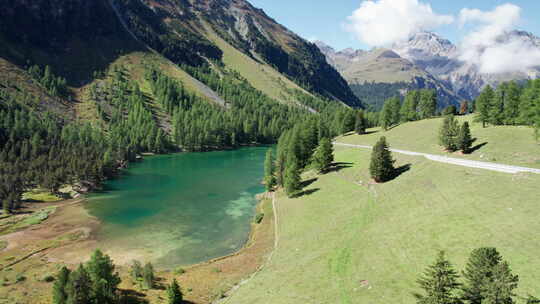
{"points": [[417, 105], [487, 278], [510, 104]]}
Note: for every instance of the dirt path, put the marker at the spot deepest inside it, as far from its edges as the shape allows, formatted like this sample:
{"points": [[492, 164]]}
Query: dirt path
{"points": [[457, 161]]}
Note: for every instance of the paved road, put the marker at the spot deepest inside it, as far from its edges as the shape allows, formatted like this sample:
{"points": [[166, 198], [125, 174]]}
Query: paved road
{"points": [[457, 161]]}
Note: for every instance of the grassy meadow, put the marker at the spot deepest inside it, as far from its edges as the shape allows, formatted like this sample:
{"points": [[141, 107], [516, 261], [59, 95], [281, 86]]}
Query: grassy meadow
{"points": [[347, 240], [501, 144]]}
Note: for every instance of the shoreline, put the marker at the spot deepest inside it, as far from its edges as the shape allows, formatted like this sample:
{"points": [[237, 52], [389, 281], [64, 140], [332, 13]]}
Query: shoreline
{"points": [[68, 237]]}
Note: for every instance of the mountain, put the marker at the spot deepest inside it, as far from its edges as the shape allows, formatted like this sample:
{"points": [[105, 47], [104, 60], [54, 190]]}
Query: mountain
{"points": [[439, 57], [79, 37], [379, 74]]}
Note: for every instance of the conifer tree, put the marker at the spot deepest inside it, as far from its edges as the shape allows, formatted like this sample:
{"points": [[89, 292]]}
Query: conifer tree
{"points": [[174, 294], [465, 141], [464, 108], [361, 123], [323, 155], [79, 288], [59, 289], [148, 276], [440, 283], [448, 134], [292, 176], [483, 105], [104, 280], [410, 106], [488, 279], [269, 171], [382, 164], [428, 103]]}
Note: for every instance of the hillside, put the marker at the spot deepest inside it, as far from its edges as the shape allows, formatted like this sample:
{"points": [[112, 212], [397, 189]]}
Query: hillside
{"points": [[72, 42], [500, 144], [348, 240]]}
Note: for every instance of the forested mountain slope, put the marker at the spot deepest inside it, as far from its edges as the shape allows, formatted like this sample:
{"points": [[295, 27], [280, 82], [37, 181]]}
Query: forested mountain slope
{"points": [[118, 78]]}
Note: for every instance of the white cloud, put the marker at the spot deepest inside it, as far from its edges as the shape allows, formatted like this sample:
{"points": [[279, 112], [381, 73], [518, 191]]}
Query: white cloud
{"points": [[488, 46], [383, 22]]}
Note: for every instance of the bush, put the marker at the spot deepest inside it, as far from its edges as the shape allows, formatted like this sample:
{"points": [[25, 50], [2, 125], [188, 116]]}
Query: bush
{"points": [[179, 271], [48, 278], [20, 278], [259, 217]]}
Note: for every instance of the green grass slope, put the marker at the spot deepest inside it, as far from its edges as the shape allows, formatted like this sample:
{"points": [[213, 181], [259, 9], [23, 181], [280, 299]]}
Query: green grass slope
{"points": [[349, 241], [500, 144]]}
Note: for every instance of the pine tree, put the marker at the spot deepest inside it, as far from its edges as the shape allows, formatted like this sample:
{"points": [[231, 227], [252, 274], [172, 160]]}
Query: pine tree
{"points": [[448, 134], [174, 294], [136, 270], [269, 171], [382, 164], [483, 105], [323, 155], [361, 124], [59, 289], [104, 280], [488, 277], [465, 141], [148, 276], [428, 104], [292, 176], [440, 283], [79, 288]]}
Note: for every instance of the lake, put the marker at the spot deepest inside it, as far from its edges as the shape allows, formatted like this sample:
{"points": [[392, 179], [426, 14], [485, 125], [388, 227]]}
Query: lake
{"points": [[181, 209]]}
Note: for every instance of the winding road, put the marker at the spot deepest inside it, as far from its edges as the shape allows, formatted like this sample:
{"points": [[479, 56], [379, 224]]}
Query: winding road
{"points": [[457, 161]]}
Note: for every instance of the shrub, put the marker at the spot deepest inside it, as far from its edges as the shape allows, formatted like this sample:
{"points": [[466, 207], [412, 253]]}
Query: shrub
{"points": [[259, 217]]}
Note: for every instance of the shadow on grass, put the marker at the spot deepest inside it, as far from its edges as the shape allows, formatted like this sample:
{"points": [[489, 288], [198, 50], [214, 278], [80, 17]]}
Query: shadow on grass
{"points": [[336, 167], [400, 170], [131, 296], [306, 192], [476, 148], [369, 132], [308, 182]]}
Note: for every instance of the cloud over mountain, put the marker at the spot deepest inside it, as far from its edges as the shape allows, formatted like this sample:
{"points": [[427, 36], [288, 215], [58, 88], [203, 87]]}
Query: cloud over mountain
{"points": [[486, 44], [383, 22]]}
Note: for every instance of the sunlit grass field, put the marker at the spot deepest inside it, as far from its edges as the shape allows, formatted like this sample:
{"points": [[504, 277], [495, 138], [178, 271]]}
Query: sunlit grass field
{"points": [[351, 241], [502, 144]]}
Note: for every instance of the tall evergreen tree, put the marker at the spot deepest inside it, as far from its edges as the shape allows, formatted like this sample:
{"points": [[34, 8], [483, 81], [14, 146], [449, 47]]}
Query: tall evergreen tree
{"points": [[148, 276], [174, 294], [59, 289], [269, 171], [410, 106], [323, 155], [104, 280], [448, 134], [511, 105], [361, 123], [292, 176], [440, 283], [382, 164], [488, 279], [79, 288], [464, 140], [483, 105], [428, 103]]}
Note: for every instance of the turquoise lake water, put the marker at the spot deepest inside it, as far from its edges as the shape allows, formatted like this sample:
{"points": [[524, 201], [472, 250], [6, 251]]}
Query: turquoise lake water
{"points": [[181, 209]]}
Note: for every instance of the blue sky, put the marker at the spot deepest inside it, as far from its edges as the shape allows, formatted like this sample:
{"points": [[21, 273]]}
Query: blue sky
{"points": [[324, 19]]}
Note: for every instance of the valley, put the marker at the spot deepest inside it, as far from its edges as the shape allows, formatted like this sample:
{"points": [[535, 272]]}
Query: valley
{"points": [[199, 151]]}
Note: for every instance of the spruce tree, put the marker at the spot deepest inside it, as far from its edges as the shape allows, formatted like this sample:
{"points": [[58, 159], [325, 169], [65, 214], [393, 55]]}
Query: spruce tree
{"points": [[323, 155], [269, 171], [292, 176], [428, 103], [79, 288], [465, 141], [59, 289], [488, 279], [361, 124], [174, 294], [448, 134], [440, 283], [382, 164], [483, 105], [148, 276], [104, 280]]}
